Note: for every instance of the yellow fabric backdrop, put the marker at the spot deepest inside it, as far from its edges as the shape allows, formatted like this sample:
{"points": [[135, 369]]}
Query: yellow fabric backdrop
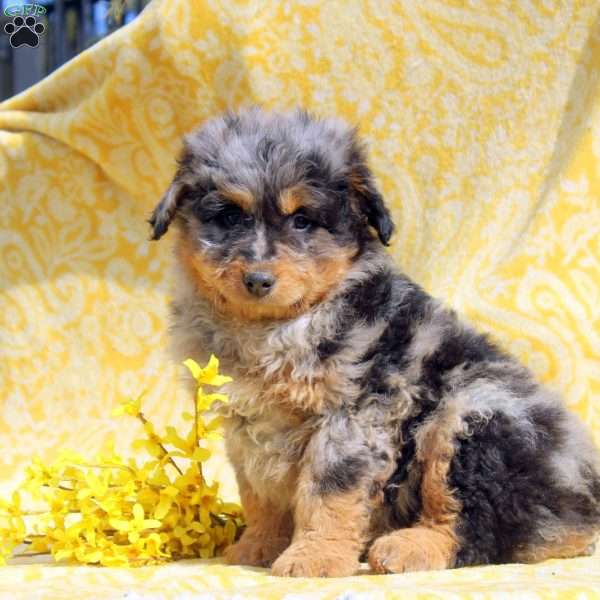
{"points": [[483, 120]]}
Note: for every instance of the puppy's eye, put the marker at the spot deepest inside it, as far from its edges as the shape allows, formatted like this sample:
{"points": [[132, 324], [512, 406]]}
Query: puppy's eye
{"points": [[232, 218], [301, 222]]}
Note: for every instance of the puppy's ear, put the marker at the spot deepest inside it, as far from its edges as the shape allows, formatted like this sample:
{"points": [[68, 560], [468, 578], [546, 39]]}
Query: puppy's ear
{"points": [[165, 210], [370, 201]]}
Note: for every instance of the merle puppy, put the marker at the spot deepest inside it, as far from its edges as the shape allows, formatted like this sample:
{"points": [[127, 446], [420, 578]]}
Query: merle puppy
{"points": [[364, 416]]}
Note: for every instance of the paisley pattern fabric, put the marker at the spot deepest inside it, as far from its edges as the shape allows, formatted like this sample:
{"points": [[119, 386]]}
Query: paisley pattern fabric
{"points": [[483, 120]]}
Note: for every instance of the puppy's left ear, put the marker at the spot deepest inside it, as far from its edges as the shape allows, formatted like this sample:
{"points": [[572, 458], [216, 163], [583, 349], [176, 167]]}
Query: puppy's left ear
{"points": [[370, 201], [166, 209]]}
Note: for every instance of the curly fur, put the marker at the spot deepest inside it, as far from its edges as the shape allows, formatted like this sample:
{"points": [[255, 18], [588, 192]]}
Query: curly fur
{"points": [[364, 416]]}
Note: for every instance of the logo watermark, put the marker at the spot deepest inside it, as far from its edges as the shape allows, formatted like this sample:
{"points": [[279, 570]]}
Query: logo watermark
{"points": [[24, 29]]}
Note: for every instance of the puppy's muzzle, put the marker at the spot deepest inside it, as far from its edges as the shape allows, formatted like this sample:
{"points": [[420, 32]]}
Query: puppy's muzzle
{"points": [[259, 283]]}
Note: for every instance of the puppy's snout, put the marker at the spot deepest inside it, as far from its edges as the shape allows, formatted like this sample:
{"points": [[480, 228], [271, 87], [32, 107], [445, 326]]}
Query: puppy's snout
{"points": [[259, 283]]}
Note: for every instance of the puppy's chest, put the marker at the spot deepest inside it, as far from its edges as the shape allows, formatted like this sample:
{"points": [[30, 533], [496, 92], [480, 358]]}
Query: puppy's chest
{"points": [[280, 393], [267, 446], [283, 373]]}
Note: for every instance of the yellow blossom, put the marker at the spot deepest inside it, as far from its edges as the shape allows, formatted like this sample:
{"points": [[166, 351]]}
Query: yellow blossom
{"points": [[134, 526], [205, 401], [116, 512], [129, 407], [209, 375], [210, 430], [167, 498]]}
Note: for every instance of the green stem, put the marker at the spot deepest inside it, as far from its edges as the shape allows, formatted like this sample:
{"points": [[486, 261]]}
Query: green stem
{"points": [[26, 554], [196, 417], [143, 419]]}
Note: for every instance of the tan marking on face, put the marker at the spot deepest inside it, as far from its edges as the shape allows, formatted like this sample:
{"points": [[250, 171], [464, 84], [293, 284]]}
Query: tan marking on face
{"points": [[301, 281], [199, 270], [238, 195], [294, 198]]}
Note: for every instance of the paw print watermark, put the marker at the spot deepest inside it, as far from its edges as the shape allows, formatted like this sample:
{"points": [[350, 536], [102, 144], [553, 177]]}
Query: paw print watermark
{"points": [[24, 29], [24, 32]]}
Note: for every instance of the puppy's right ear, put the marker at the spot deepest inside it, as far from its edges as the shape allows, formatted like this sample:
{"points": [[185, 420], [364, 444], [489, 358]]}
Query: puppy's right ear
{"points": [[166, 209]]}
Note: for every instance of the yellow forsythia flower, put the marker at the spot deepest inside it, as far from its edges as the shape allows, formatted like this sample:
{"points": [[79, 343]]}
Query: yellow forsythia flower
{"points": [[130, 407], [116, 512], [209, 375]]}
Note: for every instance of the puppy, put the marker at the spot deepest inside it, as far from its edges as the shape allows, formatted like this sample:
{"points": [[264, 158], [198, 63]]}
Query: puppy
{"points": [[365, 419]]}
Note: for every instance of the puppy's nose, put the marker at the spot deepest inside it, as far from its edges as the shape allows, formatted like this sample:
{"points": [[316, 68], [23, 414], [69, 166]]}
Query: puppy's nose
{"points": [[259, 283]]}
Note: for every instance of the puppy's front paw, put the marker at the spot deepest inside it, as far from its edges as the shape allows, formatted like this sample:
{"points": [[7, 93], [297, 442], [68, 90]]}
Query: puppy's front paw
{"points": [[416, 549], [256, 550], [313, 559]]}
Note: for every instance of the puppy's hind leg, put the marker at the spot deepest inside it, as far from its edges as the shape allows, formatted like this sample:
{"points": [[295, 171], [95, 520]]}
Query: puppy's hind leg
{"points": [[521, 485], [572, 527]]}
